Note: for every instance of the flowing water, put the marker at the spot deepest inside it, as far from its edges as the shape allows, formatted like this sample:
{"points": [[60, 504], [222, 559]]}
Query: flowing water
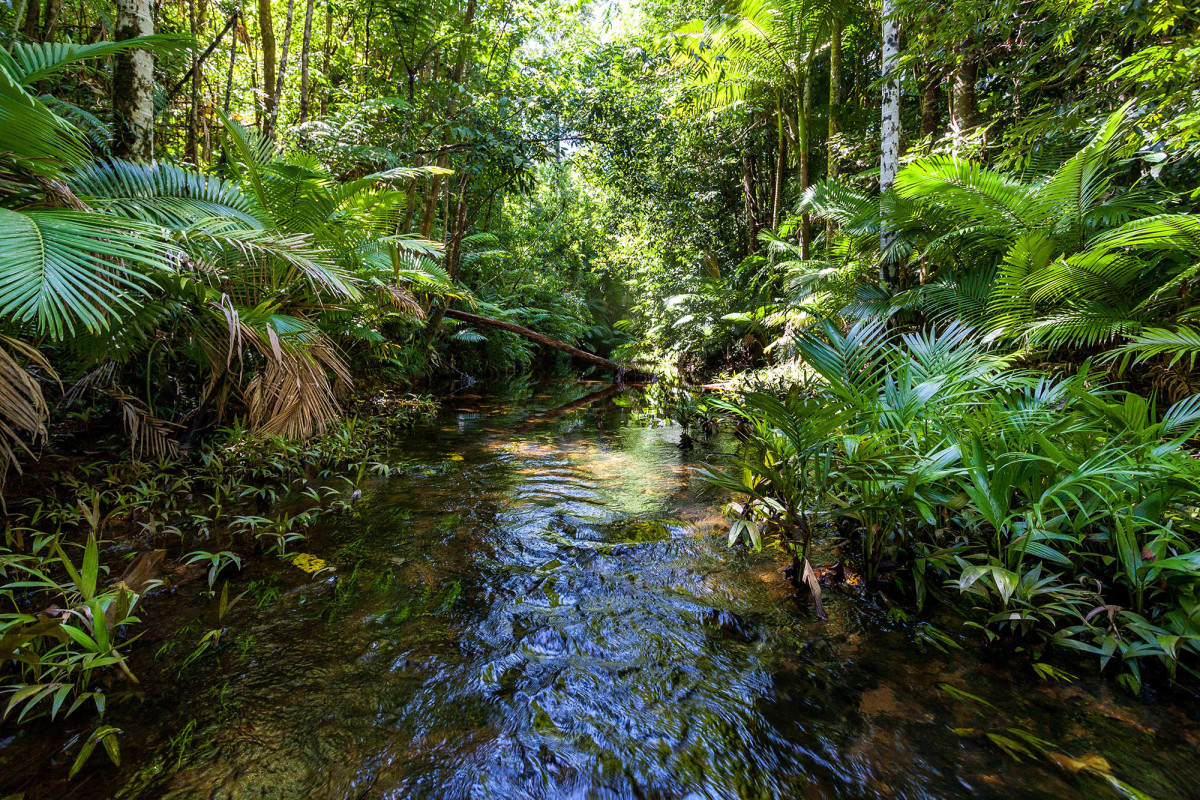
{"points": [[542, 605]]}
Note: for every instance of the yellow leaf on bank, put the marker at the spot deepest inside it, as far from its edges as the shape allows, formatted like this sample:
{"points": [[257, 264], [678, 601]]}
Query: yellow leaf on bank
{"points": [[456, 457], [308, 563]]}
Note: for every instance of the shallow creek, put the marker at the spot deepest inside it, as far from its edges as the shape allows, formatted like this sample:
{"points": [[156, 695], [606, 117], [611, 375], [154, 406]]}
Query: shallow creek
{"points": [[542, 605]]}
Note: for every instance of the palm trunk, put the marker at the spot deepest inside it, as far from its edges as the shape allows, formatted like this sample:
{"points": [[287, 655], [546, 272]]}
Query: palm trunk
{"points": [[890, 137], [304, 46], [780, 161], [133, 84]]}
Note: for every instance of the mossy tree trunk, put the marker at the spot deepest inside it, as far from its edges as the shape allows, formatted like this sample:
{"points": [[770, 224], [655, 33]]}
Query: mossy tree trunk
{"points": [[133, 85]]}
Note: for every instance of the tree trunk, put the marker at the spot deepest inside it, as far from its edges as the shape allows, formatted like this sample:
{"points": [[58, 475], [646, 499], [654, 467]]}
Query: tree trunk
{"points": [[229, 78], [751, 201], [304, 46], [890, 137], [805, 155], [193, 118], [780, 161], [33, 18], [534, 336], [133, 85], [326, 53], [835, 96], [962, 111], [50, 20], [931, 96], [273, 120], [266, 29]]}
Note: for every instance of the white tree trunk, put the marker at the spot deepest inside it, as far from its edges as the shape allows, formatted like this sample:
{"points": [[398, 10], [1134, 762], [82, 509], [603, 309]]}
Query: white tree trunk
{"points": [[133, 84], [889, 133]]}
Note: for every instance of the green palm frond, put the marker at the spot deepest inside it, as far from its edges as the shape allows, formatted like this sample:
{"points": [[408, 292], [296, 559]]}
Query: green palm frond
{"points": [[30, 62], [1155, 233], [34, 137], [1085, 324], [1011, 307], [63, 269], [1181, 344], [164, 194], [971, 191], [1079, 184], [237, 252], [956, 296]]}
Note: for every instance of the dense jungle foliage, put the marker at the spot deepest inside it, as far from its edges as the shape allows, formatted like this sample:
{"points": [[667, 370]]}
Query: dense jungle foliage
{"points": [[933, 262]]}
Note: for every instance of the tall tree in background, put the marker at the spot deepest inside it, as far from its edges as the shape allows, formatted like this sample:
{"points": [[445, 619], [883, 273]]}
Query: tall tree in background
{"points": [[280, 79], [835, 93], [266, 32], [133, 84], [889, 160], [304, 48]]}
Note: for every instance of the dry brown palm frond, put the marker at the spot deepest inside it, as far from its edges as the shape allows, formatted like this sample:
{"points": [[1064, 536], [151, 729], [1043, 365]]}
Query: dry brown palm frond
{"points": [[23, 409], [403, 301], [97, 380], [294, 395], [1173, 382], [296, 378], [149, 435]]}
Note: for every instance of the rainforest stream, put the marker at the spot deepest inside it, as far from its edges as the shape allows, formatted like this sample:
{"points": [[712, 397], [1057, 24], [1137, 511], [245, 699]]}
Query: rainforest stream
{"points": [[542, 604]]}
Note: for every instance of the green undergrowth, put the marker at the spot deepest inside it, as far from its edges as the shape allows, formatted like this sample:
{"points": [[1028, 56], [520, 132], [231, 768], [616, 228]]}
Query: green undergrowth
{"points": [[1060, 511], [83, 543]]}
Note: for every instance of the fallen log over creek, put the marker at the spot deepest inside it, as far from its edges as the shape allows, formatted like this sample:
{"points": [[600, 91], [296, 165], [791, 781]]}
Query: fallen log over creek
{"points": [[620, 370]]}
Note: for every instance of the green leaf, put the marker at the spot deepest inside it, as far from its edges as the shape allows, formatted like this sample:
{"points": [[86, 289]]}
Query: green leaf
{"points": [[63, 269]]}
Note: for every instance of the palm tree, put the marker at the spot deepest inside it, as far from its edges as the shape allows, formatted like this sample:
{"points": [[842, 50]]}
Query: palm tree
{"points": [[238, 274], [63, 267], [1057, 260]]}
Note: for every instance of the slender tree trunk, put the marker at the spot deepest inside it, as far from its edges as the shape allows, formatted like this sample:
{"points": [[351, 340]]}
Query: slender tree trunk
{"points": [[751, 202], [273, 120], [429, 210], [266, 29], [304, 46], [835, 96], [133, 85], [326, 53], [890, 136], [962, 111], [229, 78], [805, 155], [50, 21], [18, 20], [33, 19], [931, 96], [193, 119], [780, 162]]}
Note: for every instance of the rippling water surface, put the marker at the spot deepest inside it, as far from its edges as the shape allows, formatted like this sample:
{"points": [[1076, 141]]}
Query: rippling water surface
{"points": [[541, 605]]}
